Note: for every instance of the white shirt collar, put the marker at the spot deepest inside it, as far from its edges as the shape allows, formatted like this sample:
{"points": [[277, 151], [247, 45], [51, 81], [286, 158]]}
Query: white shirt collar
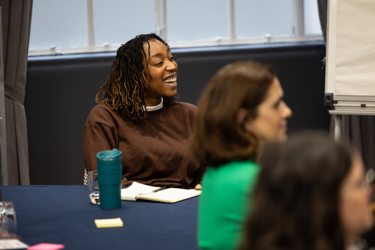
{"points": [[154, 108]]}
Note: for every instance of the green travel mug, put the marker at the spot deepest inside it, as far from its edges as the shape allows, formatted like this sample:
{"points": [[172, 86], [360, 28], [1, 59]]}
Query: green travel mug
{"points": [[109, 168]]}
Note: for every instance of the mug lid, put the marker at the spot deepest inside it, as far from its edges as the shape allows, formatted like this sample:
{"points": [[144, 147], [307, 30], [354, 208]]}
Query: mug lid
{"points": [[109, 154]]}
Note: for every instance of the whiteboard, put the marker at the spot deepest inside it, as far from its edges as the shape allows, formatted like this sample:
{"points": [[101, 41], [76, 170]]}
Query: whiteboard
{"points": [[350, 61]]}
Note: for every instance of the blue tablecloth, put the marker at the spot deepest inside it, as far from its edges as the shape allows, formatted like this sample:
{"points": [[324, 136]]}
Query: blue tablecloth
{"points": [[64, 215]]}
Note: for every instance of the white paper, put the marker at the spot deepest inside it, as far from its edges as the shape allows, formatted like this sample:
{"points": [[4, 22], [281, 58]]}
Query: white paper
{"points": [[355, 48], [172, 195], [12, 244], [135, 189]]}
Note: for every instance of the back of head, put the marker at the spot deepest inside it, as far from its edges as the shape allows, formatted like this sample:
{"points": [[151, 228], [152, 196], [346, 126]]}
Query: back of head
{"points": [[296, 198], [124, 89], [218, 137]]}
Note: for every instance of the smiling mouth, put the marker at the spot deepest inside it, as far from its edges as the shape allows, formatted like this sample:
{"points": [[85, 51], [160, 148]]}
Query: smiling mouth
{"points": [[171, 81]]}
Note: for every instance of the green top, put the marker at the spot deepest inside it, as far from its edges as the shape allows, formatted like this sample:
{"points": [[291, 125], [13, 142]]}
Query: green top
{"points": [[224, 204]]}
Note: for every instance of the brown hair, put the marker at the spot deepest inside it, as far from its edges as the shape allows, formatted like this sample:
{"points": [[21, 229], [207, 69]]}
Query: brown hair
{"points": [[217, 136], [295, 204], [124, 89]]}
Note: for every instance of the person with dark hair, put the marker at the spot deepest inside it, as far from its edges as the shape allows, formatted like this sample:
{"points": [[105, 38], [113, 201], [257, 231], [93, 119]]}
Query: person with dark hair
{"points": [[137, 114], [312, 193], [240, 111]]}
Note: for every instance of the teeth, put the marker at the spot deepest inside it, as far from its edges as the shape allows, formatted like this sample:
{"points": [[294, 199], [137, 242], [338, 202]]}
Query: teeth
{"points": [[171, 80]]}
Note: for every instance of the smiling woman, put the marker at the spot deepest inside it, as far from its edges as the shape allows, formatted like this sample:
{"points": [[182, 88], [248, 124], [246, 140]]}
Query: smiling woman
{"points": [[162, 70], [137, 114]]}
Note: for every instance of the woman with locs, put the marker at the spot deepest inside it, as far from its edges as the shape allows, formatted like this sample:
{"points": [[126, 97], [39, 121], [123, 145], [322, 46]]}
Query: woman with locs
{"points": [[137, 113]]}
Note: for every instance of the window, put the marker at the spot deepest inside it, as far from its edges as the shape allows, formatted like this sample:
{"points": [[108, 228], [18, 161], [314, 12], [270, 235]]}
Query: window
{"points": [[311, 14], [55, 24], [83, 26], [275, 18], [117, 21], [187, 22]]}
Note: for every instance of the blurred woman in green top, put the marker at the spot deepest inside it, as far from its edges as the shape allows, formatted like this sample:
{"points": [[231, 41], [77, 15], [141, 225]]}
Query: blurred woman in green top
{"points": [[240, 111]]}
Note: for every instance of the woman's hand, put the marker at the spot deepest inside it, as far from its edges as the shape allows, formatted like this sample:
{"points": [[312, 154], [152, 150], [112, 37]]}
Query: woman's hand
{"points": [[198, 187]]}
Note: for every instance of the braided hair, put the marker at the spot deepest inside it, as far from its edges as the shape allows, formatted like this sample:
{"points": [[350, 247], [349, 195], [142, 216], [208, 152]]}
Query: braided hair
{"points": [[125, 87]]}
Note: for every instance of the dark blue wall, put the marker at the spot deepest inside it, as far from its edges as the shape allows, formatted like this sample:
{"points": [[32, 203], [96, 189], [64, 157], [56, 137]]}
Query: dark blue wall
{"points": [[61, 90]]}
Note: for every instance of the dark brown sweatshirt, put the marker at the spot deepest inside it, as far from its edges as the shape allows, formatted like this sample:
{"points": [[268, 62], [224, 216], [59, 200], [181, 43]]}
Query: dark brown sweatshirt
{"points": [[155, 150]]}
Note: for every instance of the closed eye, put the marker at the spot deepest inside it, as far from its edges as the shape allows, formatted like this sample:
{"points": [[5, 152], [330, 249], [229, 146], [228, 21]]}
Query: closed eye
{"points": [[173, 58]]}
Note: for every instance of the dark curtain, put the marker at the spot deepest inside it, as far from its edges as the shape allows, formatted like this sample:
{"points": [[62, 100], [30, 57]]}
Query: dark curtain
{"points": [[16, 21], [359, 130], [322, 6]]}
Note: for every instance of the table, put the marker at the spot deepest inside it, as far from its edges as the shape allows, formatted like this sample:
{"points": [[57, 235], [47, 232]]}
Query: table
{"points": [[64, 215]]}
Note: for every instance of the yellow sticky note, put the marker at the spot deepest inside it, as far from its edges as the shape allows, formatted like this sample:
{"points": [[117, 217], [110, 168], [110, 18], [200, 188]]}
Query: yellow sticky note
{"points": [[109, 223]]}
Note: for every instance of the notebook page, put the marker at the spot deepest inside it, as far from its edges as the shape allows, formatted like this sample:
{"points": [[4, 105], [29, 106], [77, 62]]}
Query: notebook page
{"points": [[135, 189], [171, 195]]}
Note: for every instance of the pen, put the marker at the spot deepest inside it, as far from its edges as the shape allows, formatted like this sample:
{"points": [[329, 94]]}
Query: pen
{"points": [[159, 189], [153, 191]]}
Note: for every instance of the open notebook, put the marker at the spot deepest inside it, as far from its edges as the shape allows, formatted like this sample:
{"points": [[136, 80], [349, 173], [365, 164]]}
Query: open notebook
{"points": [[151, 193]]}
